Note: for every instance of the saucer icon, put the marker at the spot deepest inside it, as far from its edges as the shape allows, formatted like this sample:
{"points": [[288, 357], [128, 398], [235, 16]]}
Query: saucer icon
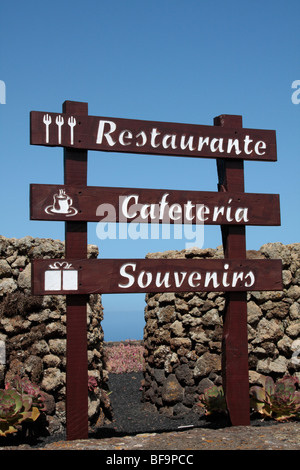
{"points": [[62, 204]]}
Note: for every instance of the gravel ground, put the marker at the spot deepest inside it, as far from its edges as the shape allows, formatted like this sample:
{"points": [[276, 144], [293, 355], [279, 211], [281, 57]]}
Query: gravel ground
{"points": [[136, 428], [132, 416]]}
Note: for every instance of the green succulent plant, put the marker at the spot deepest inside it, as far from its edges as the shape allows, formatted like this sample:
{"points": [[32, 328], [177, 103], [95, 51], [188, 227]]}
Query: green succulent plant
{"points": [[279, 401], [15, 409], [213, 400], [25, 387]]}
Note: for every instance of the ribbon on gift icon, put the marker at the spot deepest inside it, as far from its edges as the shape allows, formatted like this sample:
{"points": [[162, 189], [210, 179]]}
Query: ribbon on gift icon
{"points": [[61, 276]]}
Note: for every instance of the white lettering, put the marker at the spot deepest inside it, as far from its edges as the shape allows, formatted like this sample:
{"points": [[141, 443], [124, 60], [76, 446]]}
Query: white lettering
{"points": [[125, 135], [247, 141], [193, 280], [165, 280], [107, 135], [209, 277], [224, 281], [201, 211], [154, 134], [189, 144], [163, 205], [252, 279], [218, 147], [228, 212], [217, 212], [130, 208], [242, 214], [188, 208], [175, 209], [125, 212], [236, 277], [202, 142], [126, 275], [195, 276], [148, 279], [144, 139], [169, 141], [260, 145], [122, 460], [233, 143], [179, 282], [148, 210]]}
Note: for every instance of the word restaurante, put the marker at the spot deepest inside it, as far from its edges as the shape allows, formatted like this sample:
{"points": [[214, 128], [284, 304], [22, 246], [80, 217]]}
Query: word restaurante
{"points": [[109, 133]]}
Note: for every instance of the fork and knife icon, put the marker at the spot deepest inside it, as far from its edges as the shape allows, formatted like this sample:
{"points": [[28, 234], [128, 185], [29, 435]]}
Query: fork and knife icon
{"points": [[59, 122]]}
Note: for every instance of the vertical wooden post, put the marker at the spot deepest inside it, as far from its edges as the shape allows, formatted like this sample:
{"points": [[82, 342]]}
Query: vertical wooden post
{"points": [[235, 374], [75, 173]]}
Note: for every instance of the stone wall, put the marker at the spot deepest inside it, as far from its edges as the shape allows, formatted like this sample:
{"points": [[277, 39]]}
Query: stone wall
{"points": [[33, 330], [182, 336], [183, 333]]}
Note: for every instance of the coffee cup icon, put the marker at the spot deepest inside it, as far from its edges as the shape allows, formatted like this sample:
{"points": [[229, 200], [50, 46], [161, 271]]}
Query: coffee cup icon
{"points": [[62, 204]]}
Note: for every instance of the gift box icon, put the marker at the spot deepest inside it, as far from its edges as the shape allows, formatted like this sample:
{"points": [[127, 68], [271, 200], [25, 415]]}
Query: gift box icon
{"points": [[61, 276]]}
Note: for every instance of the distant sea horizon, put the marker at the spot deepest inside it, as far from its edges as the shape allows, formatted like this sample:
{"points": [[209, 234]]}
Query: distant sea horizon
{"points": [[120, 325]]}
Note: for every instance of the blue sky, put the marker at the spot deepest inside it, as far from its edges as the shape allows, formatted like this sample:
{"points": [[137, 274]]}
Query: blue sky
{"points": [[178, 61]]}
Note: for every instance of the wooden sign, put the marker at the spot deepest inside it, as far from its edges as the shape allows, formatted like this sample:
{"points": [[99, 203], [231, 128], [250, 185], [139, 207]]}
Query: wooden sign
{"points": [[150, 137], [94, 204], [76, 204], [108, 276]]}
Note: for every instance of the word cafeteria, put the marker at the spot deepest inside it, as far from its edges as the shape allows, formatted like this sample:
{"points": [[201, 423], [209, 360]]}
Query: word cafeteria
{"points": [[175, 212], [76, 203], [52, 202]]}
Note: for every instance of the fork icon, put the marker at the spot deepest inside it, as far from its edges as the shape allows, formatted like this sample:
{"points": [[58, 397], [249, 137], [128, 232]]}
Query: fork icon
{"points": [[47, 121], [72, 124], [59, 121]]}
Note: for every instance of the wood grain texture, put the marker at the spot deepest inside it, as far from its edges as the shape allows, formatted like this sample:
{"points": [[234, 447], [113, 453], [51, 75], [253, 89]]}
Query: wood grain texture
{"points": [[91, 204], [75, 173], [229, 143], [152, 137], [235, 375], [104, 276]]}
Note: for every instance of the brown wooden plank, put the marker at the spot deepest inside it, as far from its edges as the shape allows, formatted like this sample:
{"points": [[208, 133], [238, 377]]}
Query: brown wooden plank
{"points": [[92, 204], [75, 173], [90, 276], [235, 374], [235, 368], [150, 137], [77, 368]]}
